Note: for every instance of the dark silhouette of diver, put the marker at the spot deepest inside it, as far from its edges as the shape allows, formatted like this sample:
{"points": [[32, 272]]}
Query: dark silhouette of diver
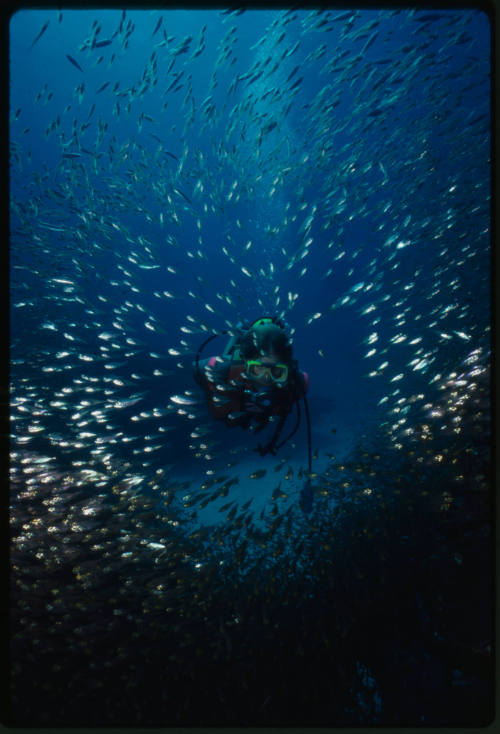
{"points": [[255, 381]]}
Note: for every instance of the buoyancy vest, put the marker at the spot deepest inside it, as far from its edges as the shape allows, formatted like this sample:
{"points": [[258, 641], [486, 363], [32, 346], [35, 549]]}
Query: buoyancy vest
{"points": [[231, 395]]}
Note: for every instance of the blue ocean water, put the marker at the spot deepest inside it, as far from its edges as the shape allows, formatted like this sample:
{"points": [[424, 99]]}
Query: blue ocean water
{"points": [[174, 173]]}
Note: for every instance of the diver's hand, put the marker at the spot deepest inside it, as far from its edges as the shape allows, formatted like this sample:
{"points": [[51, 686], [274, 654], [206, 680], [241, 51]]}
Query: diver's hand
{"points": [[257, 403]]}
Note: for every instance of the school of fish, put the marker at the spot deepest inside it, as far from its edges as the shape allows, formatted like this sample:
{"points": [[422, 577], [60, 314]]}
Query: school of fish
{"points": [[202, 188]]}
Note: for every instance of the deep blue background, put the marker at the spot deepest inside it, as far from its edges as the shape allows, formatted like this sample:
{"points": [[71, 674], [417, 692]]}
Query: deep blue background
{"points": [[394, 159]]}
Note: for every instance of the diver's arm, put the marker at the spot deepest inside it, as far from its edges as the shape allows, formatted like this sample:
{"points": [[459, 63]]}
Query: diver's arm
{"points": [[211, 371], [223, 399]]}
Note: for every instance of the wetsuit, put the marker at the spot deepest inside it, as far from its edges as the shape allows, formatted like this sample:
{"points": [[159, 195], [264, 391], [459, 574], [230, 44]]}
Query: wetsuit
{"points": [[238, 401]]}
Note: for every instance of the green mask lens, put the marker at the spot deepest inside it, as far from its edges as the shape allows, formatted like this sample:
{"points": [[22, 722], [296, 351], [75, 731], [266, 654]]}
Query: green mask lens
{"points": [[255, 369]]}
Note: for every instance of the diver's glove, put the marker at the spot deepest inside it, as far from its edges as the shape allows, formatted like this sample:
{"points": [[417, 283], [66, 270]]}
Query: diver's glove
{"points": [[256, 403]]}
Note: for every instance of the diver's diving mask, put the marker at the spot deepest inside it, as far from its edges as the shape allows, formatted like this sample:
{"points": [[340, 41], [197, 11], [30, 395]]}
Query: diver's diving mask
{"points": [[256, 369]]}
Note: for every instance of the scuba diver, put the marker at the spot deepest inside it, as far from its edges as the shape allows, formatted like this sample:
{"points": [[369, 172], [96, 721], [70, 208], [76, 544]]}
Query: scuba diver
{"points": [[254, 382]]}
